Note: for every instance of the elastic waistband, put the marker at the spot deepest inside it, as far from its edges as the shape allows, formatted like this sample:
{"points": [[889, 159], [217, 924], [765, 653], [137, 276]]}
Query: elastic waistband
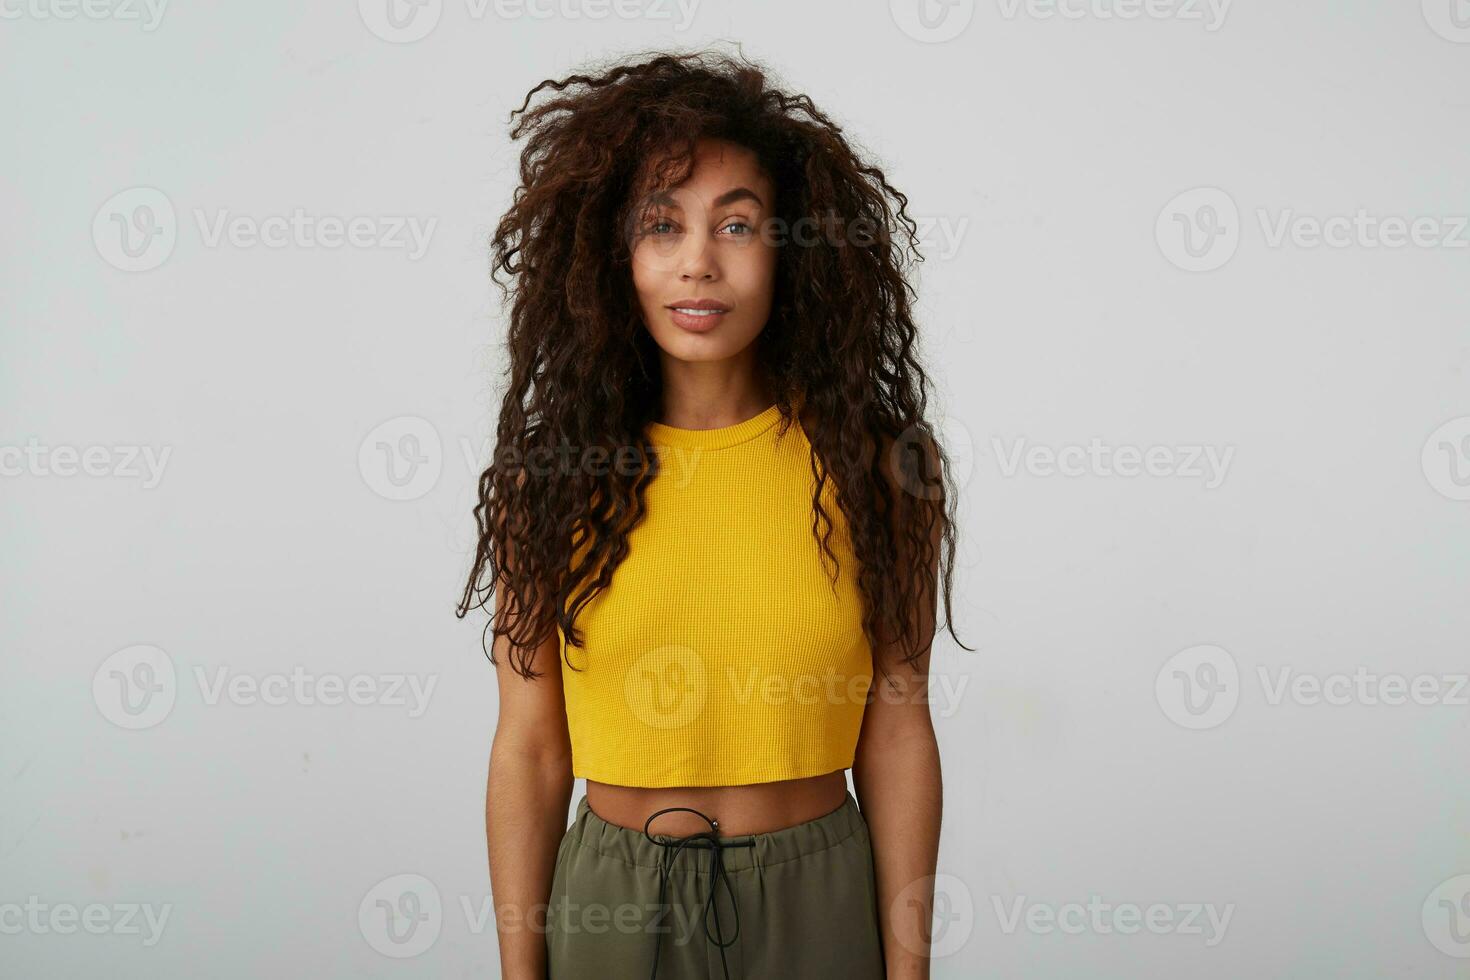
{"points": [[771, 847]]}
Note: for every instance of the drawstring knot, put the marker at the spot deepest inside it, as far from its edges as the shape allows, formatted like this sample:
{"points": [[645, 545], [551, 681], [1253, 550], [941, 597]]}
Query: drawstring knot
{"points": [[703, 840]]}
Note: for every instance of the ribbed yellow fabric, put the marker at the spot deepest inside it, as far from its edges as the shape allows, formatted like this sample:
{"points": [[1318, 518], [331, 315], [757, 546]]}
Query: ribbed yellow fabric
{"points": [[722, 654]]}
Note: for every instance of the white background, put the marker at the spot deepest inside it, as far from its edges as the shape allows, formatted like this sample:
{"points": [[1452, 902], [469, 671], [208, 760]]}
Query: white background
{"points": [[1050, 148]]}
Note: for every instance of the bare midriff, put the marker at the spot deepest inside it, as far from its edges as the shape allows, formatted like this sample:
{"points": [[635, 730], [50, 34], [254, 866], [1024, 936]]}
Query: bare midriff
{"points": [[755, 809]]}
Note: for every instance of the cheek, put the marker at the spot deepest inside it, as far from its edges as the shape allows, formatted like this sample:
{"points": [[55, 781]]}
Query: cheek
{"points": [[646, 283], [757, 272]]}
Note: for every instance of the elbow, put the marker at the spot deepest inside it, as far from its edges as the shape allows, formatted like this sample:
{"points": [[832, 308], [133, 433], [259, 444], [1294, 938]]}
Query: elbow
{"points": [[907, 746], [541, 749]]}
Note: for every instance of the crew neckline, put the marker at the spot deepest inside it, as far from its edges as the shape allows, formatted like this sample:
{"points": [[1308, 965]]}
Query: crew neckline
{"points": [[718, 438]]}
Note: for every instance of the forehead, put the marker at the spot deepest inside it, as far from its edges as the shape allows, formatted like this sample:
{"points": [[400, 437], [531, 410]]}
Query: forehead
{"points": [[719, 166]]}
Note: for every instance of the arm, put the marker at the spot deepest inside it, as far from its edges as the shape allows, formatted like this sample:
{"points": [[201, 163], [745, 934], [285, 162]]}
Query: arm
{"points": [[526, 799], [896, 771], [899, 789]]}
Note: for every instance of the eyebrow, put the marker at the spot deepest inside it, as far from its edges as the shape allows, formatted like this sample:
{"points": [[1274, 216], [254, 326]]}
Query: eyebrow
{"points": [[729, 197]]}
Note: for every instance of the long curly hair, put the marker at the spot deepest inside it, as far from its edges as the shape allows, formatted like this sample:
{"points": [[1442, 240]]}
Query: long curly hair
{"points": [[839, 344]]}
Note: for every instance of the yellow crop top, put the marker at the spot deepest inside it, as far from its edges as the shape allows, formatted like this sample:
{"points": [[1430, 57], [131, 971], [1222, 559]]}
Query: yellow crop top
{"points": [[721, 653]]}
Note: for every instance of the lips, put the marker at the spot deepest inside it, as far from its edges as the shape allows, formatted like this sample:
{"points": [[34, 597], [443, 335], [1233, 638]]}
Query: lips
{"points": [[697, 315]]}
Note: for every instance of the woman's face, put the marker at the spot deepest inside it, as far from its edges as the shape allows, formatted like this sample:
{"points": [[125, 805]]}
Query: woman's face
{"points": [[703, 271]]}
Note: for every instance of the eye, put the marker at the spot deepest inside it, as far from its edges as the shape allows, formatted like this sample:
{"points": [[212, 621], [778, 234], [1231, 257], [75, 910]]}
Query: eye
{"points": [[737, 223], [661, 226]]}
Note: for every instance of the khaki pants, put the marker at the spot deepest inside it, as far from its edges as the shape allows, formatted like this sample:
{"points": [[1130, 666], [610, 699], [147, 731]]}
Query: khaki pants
{"points": [[803, 907]]}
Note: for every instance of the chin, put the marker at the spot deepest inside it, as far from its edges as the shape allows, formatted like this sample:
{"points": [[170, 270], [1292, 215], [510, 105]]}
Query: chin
{"points": [[717, 345], [697, 349]]}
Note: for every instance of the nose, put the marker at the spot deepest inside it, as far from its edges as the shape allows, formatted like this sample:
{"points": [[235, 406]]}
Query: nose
{"points": [[697, 260]]}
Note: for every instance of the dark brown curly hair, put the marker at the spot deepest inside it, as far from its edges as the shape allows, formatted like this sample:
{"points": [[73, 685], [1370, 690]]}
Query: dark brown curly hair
{"points": [[839, 343]]}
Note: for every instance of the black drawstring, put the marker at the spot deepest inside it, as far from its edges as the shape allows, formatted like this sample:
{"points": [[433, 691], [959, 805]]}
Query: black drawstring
{"points": [[705, 840]]}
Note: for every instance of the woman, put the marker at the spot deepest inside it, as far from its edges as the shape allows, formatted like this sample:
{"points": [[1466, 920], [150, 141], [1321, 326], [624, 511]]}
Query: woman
{"points": [[716, 512]]}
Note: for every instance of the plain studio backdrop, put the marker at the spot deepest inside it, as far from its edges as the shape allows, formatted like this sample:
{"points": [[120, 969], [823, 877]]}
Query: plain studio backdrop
{"points": [[1195, 305]]}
